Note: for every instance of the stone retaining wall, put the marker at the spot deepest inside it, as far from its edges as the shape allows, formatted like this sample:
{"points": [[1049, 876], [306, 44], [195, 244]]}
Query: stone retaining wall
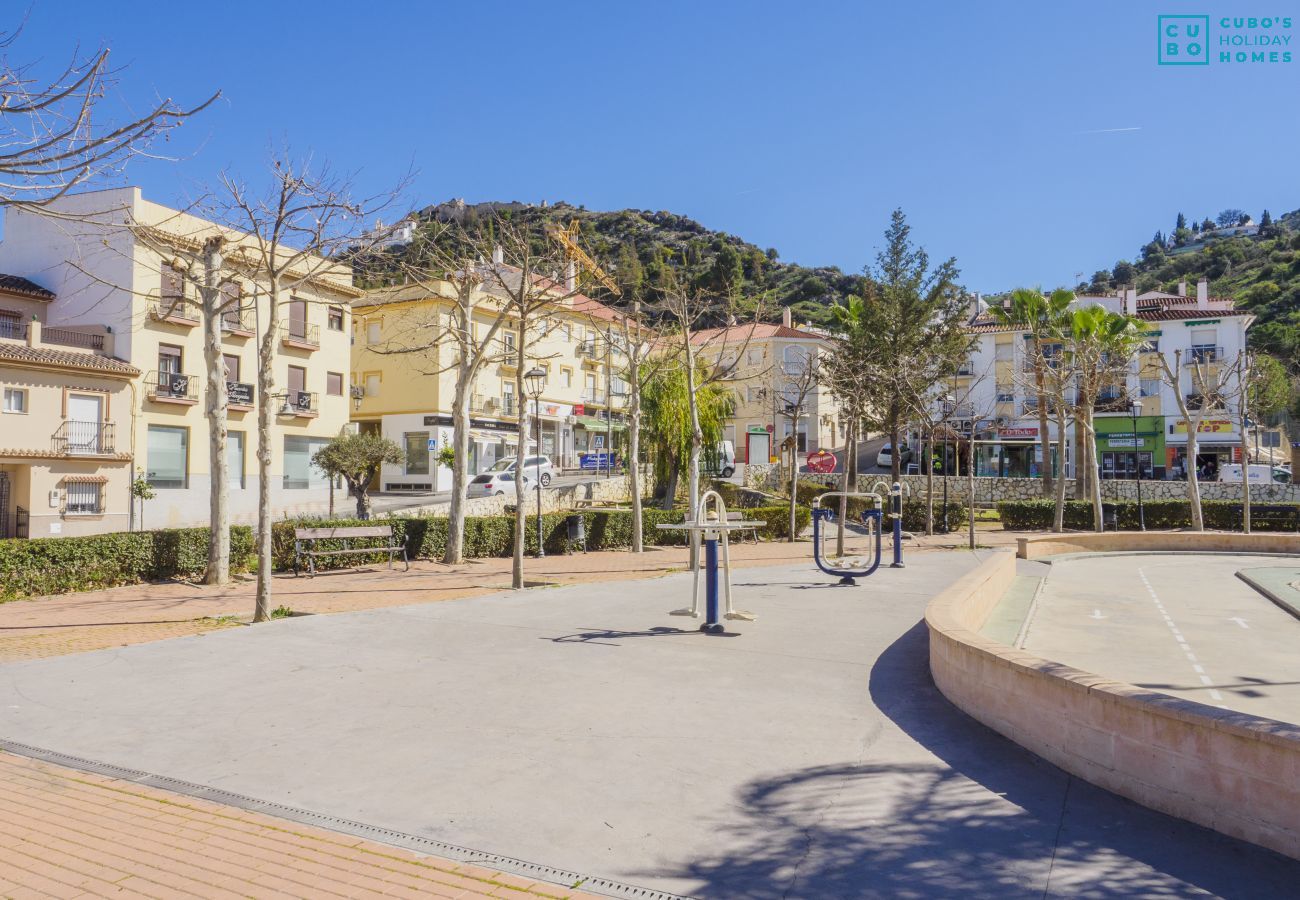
{"points": [[993, 490], [1234, 773], [609, 490]]}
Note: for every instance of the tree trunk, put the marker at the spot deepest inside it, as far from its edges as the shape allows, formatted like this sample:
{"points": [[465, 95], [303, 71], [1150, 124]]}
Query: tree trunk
{"points": [[673, 482], [265, 410], [1044, 439], [1058, 515], [1094, 482], [363, 503], [454, 554], [634, 460], [970, 485], [794, 482], [517, 568], [697, 446], [218, 571], [929, 484], [896, 453], [848, 481]]}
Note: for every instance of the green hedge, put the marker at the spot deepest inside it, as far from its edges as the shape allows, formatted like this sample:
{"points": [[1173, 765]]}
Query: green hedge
{"points": [[493, 536], [65, 564], [1224, 515], [914, 508]]}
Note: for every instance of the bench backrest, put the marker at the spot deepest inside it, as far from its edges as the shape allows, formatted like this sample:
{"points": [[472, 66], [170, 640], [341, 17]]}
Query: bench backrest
{"points": [[343, 532]]}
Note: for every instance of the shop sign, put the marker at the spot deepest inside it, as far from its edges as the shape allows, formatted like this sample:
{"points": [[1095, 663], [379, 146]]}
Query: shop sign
{"points": [[554, 410], [1207, 426], [759, 429], [579, 409], [1018, 432], [484, 424]]}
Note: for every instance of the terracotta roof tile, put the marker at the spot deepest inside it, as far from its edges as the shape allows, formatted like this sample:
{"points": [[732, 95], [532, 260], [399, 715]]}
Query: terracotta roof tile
{"points": [[16, 284], [751, 332], [65, 359]]}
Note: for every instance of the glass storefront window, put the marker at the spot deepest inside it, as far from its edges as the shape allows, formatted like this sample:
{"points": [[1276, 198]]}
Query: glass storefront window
{"points": [[167, 457], [416, 444]]}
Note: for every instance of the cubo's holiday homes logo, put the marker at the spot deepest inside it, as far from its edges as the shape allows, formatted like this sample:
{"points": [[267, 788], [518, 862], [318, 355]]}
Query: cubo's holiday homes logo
{"points": [[1236, 40]]}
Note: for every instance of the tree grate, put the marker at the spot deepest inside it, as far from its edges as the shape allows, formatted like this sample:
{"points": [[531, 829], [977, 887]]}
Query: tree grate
{"points": [[564, 877]]}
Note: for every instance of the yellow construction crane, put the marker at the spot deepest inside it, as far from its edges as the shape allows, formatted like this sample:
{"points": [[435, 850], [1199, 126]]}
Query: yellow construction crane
{"points": [[568, 239]]}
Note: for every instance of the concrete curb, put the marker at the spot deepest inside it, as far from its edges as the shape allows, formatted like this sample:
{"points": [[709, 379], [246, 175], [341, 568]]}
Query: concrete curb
{"points": [[1284, 603]]}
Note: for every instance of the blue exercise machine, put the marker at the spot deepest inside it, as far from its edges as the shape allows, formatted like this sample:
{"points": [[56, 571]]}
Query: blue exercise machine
{"points": [[873, 519]]}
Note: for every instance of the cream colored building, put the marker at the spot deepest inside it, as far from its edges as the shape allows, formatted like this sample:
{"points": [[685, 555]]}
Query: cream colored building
{"points": [[765, 382], [65, 403], [101, 271], [408, 396]]}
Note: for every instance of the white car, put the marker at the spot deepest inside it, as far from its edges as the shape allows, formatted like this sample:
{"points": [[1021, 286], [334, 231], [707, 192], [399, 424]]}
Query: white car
{"points": [[497, 484], [884, 459], [531, 466]]}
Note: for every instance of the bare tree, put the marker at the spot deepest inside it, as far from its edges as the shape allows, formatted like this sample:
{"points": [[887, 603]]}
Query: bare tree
{"points": [[528, 280], [58, 134], [1209, 380], [288, 233]]}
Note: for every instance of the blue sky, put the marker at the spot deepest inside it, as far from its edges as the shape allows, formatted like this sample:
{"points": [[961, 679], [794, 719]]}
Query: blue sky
{"points": [[797, 126]]}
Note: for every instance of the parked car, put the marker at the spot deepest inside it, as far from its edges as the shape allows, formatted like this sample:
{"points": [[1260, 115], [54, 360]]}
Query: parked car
{"points": [[722, 461], [885, 458], [1260, 473], [497, 484], [531, 466]]}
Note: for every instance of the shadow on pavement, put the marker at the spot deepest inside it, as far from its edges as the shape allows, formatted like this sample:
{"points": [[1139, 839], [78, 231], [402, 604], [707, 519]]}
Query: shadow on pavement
{"points": [[986, 819]]}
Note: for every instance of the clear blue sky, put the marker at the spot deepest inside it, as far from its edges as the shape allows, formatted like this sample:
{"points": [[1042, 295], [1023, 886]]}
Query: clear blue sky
{"points": [[797, 126]]}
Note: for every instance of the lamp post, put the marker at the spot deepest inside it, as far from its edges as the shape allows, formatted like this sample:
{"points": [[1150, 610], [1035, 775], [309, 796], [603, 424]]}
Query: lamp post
{"points": [[947, 402], [1136, 407], [535, 383]]}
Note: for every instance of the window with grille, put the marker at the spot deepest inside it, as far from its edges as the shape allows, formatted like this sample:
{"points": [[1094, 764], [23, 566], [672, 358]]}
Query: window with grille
{"points": [[336, 318], [83, 499]]}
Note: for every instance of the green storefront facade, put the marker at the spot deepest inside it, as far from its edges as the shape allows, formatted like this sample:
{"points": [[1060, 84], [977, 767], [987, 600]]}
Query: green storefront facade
{"points": [[1120, 450]]}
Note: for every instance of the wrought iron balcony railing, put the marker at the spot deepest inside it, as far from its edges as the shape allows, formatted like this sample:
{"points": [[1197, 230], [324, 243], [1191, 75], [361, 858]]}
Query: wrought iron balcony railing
{"points": [[75, 438], [171, 387]]}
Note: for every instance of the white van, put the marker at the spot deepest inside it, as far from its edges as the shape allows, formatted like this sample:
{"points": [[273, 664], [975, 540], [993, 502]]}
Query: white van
{"points": [[722, 461], [1260, 473]]}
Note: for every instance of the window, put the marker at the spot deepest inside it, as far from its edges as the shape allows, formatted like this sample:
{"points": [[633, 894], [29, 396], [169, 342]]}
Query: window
{"points": [[169, 359], [336, 318], [299, 473], [167, 461], [416, 444], [796, 359], [372, 384], [298, 318], [1006, 393], [1006, 350], [297, 381], [1149, 387], [232, 366], [235, 458], [566, 378], [171, 287], [755, 357], [334, 384], [1151, 345], [372, 332], [15, 400], [755, 394], [83, 498], [11, 325], [230, 312]]}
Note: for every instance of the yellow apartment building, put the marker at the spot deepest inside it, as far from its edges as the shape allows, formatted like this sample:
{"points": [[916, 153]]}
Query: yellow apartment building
{"points": [[408, 396], [100, 271], [65, 407], [772, 358]]}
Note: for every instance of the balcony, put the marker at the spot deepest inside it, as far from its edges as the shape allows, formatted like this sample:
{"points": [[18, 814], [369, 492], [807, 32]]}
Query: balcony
{"points": [[239, 396], [596, 398], [1113, 401], [171, 387], [300, 336], [174, 311], [507, 358], [509, 407], [481, 404], [592, 350], [1203, 354], [301, 405], [238, 323], [66, 337], [84, 438], [13, 328]]}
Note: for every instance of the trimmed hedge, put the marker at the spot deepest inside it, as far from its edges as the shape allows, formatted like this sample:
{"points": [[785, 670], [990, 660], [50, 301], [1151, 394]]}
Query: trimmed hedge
{"points": [[913, 508], [1222, 515], [65, 564], [493, 536]]}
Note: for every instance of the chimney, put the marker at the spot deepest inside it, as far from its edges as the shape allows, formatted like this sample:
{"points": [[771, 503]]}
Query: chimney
{"points": [[1203, 294], [570, 277], [785, 317], [498, 255], [1130, 301], [1182, 288]]}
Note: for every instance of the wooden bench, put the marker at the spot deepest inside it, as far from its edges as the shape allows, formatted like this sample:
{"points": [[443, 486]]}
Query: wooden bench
{"points": [[740, 517], [304, 541]]}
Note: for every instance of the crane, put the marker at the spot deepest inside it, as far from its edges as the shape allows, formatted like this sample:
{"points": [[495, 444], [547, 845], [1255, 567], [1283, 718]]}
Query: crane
{"points": [[568, 239]]}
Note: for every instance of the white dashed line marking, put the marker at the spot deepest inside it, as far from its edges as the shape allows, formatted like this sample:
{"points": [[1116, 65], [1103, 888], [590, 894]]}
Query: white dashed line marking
{"points": [[1182, 641]]}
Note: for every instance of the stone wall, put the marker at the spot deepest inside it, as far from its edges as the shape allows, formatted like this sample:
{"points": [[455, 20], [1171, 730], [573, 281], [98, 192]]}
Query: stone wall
{"points": [[993, 490], [609, 490]]}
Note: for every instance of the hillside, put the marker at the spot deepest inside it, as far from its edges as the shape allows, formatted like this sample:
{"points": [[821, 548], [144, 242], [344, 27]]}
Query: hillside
{"points": [[659, 241], [1262, 271]]}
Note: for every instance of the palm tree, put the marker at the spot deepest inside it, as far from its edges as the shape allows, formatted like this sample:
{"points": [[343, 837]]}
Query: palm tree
{"points": [[1040, 316], [1102, 344]]}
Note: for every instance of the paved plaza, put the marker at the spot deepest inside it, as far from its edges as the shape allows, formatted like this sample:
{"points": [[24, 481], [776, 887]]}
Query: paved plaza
{"points": [[1181, 624], [582, 729]]}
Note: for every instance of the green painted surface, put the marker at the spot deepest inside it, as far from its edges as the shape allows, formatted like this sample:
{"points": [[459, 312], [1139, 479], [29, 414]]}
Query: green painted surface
{"points": [[1281, 584], [1009, 615]]}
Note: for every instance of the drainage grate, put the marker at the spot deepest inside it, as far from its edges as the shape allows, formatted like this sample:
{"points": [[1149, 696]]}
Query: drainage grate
{"points": [[589, 883]]}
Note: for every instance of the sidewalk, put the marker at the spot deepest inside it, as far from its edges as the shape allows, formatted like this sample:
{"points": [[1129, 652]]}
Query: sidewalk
{"points": [[93, 620], [65, 833]]}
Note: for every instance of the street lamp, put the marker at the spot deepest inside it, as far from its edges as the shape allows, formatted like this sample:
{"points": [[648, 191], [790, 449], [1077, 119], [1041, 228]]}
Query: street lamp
{"points": [[1136, 408], [948, 403], [535, 383]]}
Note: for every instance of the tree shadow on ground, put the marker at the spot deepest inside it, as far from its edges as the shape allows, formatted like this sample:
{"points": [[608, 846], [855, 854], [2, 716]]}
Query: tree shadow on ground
{"points": [[984, 819]]}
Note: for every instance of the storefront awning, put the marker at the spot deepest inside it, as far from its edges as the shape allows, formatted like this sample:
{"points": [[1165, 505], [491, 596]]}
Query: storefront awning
{"points": [[85, 479], [597, 424], [489, 437]]}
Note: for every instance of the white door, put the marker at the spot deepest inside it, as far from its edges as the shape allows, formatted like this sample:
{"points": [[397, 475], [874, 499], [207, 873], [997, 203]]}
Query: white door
{"points": [[759, 447], [84, 428]]}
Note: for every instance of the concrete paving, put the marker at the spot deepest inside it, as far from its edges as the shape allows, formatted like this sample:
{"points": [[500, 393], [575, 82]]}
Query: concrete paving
{"points": [[1181, 624], [806, 754]]}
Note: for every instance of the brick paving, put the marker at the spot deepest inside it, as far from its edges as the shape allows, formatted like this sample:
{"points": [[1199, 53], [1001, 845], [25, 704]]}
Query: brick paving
{"points": [[65, 833]]}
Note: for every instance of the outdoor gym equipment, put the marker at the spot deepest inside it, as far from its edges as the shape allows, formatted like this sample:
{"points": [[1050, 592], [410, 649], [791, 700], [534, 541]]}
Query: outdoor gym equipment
{"points": [[896, 508], [711, 525], [871, 518]]}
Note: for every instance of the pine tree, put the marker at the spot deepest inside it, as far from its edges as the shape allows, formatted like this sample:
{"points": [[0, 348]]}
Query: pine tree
{"points": [[1181, 223]]}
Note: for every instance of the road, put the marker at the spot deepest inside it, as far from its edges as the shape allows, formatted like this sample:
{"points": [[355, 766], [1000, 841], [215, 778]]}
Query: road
{"points": [[804, 754]]}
